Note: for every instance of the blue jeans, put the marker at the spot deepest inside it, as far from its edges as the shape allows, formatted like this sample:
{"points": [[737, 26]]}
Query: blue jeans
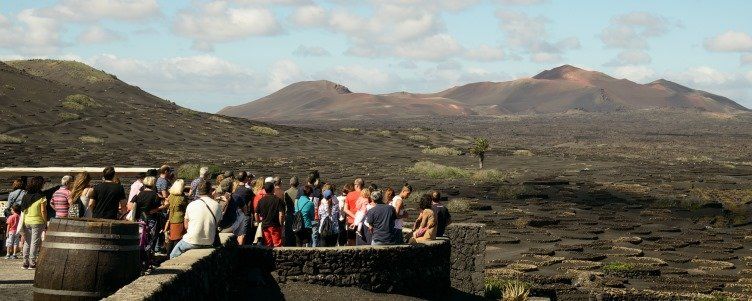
{"points": [[315, 236], [182, 246]]}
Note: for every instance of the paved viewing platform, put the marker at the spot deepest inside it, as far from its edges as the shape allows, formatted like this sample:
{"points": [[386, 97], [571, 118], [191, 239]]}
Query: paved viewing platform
{"points": [[15, 282]]}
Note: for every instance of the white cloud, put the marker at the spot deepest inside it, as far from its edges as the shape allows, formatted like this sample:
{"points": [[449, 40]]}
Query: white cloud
{"points": [[485, 53], [98, 34], [746, 59], [632, 30], [530, 35], [309, 15], [730, 41], [360, 78], [283, 73], [521, 2], [203, 82], [303, 50], [705, 76], [92, 10], [433, 48], [630, 57], [31, 34], [274, 2], [749, 77], [640, 74], [217, 22]]}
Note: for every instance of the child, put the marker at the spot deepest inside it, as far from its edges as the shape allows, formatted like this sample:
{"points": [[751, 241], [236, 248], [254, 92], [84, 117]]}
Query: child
{"points": [[11, 244]]}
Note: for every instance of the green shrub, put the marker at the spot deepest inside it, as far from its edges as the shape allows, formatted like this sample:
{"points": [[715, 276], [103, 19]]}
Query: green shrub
{"points": [[66, 116], [415, 196], [442, 151], [186, 111], [90, 139], [384, 133], [219, 119], [9, 87], [418, 138], [191, 171], [506, 289], [264, 130], [523, 152], [350, 130], [458, 205], [509, 192], [617, 267], [79, 102], [7, 139], [438, 171]]}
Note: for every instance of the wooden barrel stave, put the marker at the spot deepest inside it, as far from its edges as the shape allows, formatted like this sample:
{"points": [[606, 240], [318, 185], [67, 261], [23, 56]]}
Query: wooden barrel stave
{"points": [[71, 269]]}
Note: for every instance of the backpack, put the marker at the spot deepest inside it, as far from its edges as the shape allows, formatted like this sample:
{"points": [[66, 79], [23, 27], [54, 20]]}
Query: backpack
{"points": [[327, 226], [297, 223]]}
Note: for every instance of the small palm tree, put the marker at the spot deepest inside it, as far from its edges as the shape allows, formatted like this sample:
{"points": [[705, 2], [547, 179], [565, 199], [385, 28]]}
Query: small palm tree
{"points": [[479, 150]]}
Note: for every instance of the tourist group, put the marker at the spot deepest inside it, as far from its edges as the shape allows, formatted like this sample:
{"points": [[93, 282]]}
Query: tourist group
{"points": [[176, 215]]}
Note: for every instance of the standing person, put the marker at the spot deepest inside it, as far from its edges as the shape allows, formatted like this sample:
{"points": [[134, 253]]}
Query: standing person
{"points": [[163, 182], [350, 209], [11, 243], [271, 215], [175, 214], [203, 174], [425, 226], [242, 196], [146, 210], [136, 186], [329, 219], [259, 192], [342, 236], [201, 220], [14, 197], [361, 208], [441, 213], [79, 197], [380, 221], [108, 198], [163, 191], [278, 191], [233, 220], [60, 198], [304, 205], [34, 208], [291, 196], [398, 202]]}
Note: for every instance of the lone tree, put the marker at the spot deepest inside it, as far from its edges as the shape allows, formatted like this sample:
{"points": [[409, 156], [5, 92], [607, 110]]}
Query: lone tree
{"points": [[479, 150]]}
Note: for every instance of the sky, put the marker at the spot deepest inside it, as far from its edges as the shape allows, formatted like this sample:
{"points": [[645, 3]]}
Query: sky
{"points": [[206, 55]]}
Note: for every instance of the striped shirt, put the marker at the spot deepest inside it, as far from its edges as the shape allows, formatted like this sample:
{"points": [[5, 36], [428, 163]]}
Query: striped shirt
{"points": [[60, 202]]}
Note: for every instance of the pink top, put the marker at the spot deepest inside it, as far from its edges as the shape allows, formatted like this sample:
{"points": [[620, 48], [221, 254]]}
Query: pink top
{"points": [[12, 223]]}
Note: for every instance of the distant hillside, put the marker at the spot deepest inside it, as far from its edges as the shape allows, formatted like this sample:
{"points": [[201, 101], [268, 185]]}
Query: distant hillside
{"points": [[552, 91], [66, 113]]}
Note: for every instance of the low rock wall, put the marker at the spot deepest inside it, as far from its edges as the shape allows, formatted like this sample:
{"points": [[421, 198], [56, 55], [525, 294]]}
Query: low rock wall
{"points": [[416, 270], [432, 270], [468, 259]]}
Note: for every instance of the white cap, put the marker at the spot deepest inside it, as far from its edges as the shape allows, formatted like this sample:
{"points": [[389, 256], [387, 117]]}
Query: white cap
{"points": [[269, 180]]}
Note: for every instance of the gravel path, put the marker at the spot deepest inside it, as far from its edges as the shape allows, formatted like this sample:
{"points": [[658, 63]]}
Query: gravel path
{"points": [[15, 282]]}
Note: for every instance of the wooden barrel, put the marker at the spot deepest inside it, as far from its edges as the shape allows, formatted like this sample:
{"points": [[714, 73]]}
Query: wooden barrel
{"points": [[86, 259]]}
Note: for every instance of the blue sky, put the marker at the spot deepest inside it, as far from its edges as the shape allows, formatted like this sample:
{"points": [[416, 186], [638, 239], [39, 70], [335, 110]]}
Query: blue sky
{"points": [[209, 54]]}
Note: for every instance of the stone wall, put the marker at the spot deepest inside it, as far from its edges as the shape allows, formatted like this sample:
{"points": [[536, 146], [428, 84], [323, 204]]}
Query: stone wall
{"points": [[194, 275], [416, 270], [436, 270], [468, 243]]}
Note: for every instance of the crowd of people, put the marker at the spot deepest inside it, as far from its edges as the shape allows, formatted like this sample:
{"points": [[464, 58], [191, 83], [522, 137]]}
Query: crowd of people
{"points": [[175, 217]]}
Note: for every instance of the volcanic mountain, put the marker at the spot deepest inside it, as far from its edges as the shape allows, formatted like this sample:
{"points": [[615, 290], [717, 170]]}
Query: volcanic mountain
{"points": [[557, 90]]}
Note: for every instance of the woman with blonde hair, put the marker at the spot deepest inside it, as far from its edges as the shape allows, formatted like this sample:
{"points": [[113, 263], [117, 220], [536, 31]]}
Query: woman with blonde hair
{"points": [[361, 207], [79, 196], [174, 227]]}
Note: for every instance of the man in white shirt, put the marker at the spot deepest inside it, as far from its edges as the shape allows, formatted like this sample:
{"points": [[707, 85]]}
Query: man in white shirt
{"points": [[201, 219]]}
